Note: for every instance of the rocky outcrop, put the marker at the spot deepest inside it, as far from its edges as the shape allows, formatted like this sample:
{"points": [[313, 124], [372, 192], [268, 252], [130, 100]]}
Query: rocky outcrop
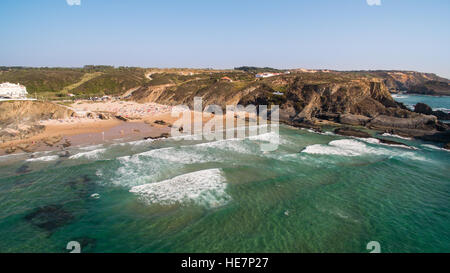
{"points": [[19, 119], [357, 120], [24, 112], [422, 108], [351, 132], [418, 122]]}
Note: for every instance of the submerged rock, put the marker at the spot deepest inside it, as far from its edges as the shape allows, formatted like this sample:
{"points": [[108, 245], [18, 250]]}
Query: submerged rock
{"points": [[49, 217], [23, 169], [345, 131], [83, 186]]}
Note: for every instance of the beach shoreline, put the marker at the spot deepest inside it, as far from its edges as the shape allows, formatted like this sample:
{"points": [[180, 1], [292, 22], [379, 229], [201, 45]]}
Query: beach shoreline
{"points": [[121, 120]]}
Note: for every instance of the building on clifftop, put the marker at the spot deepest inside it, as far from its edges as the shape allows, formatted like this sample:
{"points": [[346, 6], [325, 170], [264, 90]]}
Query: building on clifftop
{"points": [[12, 91]]}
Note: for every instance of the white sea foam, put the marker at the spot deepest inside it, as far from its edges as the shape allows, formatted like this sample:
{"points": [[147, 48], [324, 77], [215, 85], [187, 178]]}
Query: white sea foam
{"points": [[396, 136], [44, 158], [183, 155], [350, 148], [89, 155], [206, 188], [434, 147], [90, 148], [344, 147], [446, 110], [233, 145]]}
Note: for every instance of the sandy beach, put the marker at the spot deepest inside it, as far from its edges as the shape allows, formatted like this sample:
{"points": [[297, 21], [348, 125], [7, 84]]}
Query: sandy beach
{"points": [[100, 122], [86, 127]]}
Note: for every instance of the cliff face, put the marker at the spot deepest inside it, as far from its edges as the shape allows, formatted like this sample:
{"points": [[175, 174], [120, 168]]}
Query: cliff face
{"points": [[18, 119], [414, 82], [22, 112], [304, 100]]}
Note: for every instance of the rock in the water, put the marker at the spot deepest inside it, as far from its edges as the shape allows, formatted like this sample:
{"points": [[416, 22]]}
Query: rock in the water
{"points": [[83, 186], [23, 169], [421, 122], [447, 146], [391, 142], [351, 132], [163, 135], [422, 108], [49, 217], [442, 137]]}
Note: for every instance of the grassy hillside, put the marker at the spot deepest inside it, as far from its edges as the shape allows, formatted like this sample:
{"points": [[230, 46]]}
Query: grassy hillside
{"points": [[42, 80], [56, 83]]}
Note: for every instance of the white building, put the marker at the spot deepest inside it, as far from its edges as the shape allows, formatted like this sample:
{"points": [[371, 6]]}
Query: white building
{"points": [[13, 91]]}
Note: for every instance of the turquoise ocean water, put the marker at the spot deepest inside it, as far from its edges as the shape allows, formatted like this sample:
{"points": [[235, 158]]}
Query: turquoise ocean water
{"points": [[315, 193], [437, 103]]}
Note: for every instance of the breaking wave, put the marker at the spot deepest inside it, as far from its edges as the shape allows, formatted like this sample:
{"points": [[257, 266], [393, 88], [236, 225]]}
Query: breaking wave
{"points": [[89, 155], [205, 188], [352, 148], [44, 158]]}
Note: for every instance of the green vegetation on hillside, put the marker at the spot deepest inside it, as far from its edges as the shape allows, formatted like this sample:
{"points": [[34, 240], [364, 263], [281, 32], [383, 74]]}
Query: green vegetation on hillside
{"points": [[56, 83], [252, 69]]}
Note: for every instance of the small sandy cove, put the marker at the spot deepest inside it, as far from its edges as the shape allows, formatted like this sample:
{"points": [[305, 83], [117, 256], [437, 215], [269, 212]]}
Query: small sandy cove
{"points": [[87, 128], [123, 120]]}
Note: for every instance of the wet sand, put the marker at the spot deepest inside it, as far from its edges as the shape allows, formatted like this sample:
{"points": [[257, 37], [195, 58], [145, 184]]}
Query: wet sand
{"points": [[61, 136]]}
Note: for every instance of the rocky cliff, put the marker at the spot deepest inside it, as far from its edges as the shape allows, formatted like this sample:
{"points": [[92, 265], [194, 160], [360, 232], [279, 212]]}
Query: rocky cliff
{"points": [[18, 119], [413, 82], [306, 99]]}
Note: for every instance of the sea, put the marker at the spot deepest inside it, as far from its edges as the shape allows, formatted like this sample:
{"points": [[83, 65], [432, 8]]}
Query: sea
{"points": [[317, 192]]}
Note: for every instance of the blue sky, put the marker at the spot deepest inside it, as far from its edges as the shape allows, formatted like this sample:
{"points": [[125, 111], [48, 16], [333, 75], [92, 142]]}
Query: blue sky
{"points": [[334, 34]]}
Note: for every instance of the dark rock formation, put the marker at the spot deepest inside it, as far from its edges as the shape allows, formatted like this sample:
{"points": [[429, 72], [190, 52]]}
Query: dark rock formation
{"points": [[49, 217], [345, 131], [420, 122], [443, 137], [25, 168], [121, 118], [422, 108], [160, 122], [163, 135], [447, 146], [83, 186], [391, 142]]}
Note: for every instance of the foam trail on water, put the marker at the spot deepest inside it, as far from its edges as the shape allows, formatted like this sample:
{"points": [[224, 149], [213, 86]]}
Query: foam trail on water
{"points": [[396, 136], [352, 148], [89, 155], [44, 158], [206, 188]]}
